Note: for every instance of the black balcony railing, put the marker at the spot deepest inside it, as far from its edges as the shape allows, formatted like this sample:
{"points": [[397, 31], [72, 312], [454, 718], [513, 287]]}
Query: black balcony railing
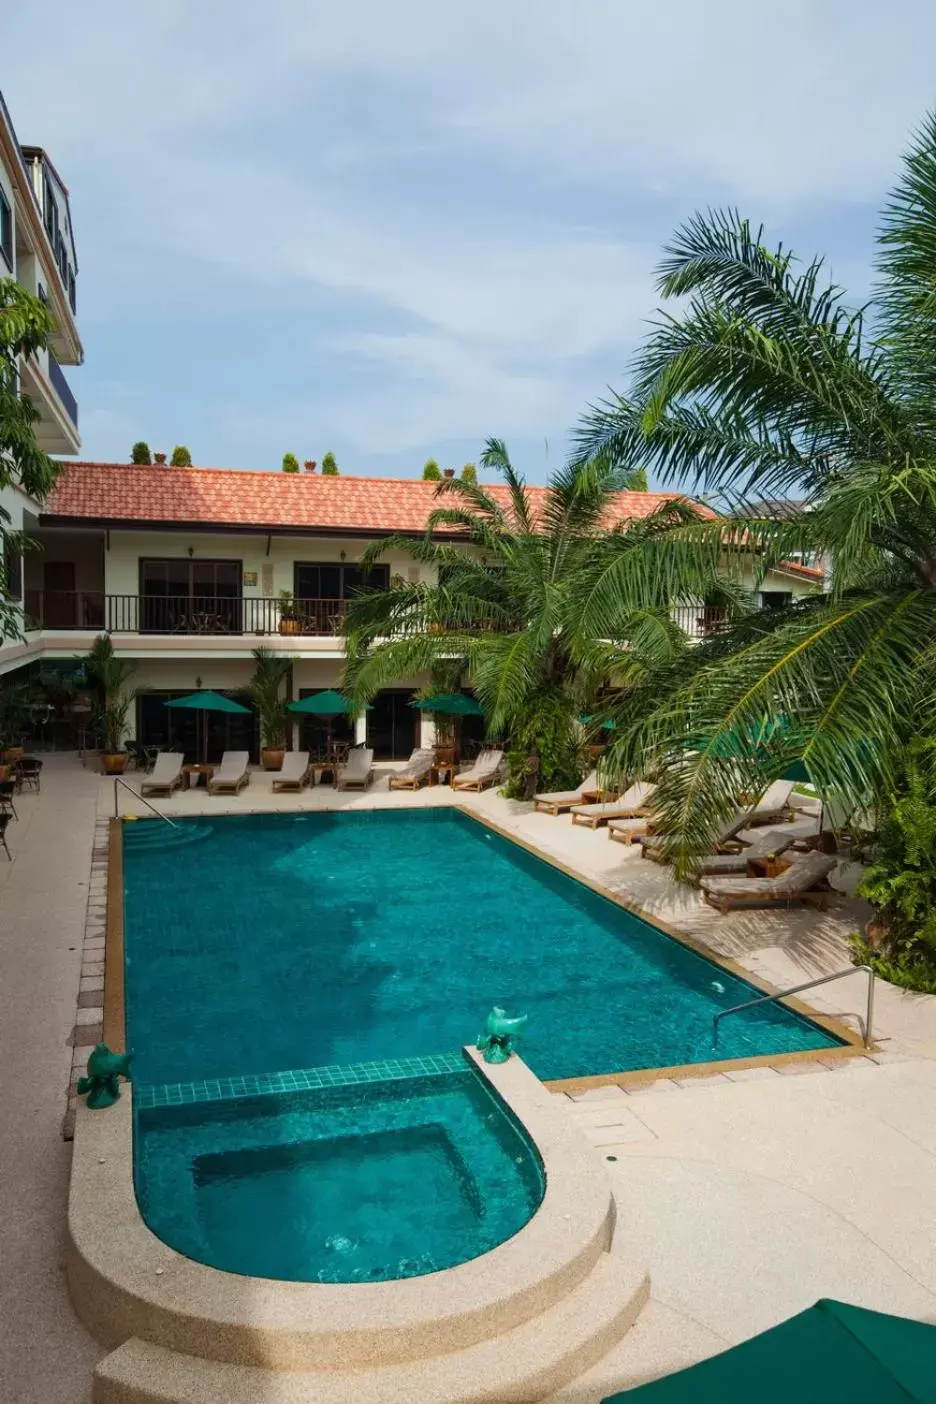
{"points": [[701, 621], [181, 614], [62, 388]]}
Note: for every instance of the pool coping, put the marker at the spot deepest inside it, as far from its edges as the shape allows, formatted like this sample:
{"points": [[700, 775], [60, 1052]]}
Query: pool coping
{"points": [[126, 1284], [852, 1044]]}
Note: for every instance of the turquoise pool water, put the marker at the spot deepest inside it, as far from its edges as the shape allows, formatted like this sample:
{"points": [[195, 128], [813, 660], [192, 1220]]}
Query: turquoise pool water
{"points": [[356, 1183], [274, 942]]}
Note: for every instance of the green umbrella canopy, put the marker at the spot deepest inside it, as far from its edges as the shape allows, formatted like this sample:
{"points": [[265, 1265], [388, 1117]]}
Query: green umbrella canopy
{"points": [[326, 704], [208, 701], [454, 704], [830, 1351], [602, 725]]}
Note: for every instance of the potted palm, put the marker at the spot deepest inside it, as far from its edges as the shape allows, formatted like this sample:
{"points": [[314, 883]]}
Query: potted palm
{"points": [[14, 705], [290, 620], [111, 675], [265, 691]]}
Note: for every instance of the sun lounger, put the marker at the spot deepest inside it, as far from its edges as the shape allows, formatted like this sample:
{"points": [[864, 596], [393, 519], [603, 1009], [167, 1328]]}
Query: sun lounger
{"points": [[727, 841], [483, 773], [415, 771], [560, 800], [356, 773], [628, 830], [773, 807], [294, 773], [231, 775], [167, 775], [723, 863], [805, 880], [632, 804]]}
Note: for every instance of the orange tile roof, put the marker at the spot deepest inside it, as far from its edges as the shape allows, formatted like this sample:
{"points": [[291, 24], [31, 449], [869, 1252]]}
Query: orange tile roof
{"points": [[274, 501]]}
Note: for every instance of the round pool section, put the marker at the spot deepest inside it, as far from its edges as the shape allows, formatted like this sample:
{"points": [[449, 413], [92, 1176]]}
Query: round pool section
{"points": [[369, 1181]]}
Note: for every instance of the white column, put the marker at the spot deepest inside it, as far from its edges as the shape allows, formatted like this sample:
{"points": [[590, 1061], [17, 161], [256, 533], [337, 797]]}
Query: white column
{"points": [[427, 730], [360, 730]]}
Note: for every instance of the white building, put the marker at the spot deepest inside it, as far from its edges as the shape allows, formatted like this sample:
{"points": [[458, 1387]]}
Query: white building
{"points": [[37, 248], [186, 568]]}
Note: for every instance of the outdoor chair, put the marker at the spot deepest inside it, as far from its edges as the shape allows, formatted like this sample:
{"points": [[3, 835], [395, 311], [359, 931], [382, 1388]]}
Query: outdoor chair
{"points": [[4, 823], [357, 772], [773, 807], [29, 773], [483, 773], [633, 804], [167, 775], [556, 801], [138, 759], [7, 791], [232, 774], [294, 772], [415, 771], [727, 841], [805, 880]]}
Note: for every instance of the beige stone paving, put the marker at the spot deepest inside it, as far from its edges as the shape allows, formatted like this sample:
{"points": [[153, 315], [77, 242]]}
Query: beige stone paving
{"points": [[748, 1195]]}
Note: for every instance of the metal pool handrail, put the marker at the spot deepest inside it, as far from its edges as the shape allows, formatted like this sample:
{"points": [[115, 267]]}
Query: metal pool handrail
{"points": [[809, 985], [158, 812]]}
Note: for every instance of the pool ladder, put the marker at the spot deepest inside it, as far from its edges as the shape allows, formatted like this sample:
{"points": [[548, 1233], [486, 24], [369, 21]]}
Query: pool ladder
{"points": [[809, 985], [158, 812]]}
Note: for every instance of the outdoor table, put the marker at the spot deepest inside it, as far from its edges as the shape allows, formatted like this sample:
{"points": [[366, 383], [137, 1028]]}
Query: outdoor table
{"points": [[446, 768], [198, 774], [767, 867]]}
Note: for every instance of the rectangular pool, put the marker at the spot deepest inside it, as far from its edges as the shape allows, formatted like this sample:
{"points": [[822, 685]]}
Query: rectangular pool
{"points": [[262, 943]]}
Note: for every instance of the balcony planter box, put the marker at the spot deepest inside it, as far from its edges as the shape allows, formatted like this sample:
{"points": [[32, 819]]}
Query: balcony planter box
{"points": [[289, 625], [12, 753], [114, 764]]}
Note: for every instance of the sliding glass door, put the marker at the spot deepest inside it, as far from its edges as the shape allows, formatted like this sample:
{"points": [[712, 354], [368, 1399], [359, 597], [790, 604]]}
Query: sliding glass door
{"points": [[188, 596]]}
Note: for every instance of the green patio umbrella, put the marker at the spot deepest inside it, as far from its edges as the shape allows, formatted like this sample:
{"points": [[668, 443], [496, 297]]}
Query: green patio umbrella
{"points": [[830, 1351], [207, 701], [452, 704], [328, 705]]}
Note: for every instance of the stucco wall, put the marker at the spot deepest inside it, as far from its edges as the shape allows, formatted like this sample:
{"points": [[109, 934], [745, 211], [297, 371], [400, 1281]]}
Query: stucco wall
{"points": [[122, 560]]}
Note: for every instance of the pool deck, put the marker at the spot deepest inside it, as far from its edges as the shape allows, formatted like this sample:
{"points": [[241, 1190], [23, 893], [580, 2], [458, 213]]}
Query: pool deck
{"points": [[748, 1194]]}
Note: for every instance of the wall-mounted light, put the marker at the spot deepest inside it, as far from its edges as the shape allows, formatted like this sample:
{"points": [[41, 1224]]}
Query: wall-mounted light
{"points": [[198, 682], [191, 550], [342, 556]]}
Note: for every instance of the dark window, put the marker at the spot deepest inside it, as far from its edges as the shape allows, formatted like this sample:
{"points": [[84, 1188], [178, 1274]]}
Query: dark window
{"points": [[776, 599], [71, 291], [6, 230], [319, 734], [392, 724], [183, 596], [333, 580], [192, 732]]}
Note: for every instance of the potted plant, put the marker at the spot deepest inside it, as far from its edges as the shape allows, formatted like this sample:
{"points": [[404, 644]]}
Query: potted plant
{"points": [[290, 618], [111, 675], [14, 708], [272, 713]]}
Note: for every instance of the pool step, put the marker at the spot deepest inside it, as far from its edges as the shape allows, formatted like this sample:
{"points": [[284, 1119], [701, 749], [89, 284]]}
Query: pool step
{"points": [[146, 835], [522, 1366]]}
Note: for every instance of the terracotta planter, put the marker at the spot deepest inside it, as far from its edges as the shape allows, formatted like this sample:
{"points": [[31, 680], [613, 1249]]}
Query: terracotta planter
{"points": [[272, 759], [13, 753], [290, 626], [5, 773], [115, 764]]}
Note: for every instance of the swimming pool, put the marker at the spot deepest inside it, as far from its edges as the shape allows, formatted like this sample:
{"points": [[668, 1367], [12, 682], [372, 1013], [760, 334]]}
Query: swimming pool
{"points": [[367, 1181], [264, 943]]}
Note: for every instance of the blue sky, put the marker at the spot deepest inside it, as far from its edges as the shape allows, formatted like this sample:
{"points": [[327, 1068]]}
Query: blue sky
{"points": [[394, 229]]}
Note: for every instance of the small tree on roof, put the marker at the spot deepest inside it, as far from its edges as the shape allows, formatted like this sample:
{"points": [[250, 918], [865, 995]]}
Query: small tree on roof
{"points": [[329, 465], [290, 463], [181, 458], [140, 453], [432, 473]]}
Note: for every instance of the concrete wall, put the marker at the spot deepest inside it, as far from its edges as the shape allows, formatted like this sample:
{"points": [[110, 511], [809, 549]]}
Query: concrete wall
{"points": [[6, 185]]}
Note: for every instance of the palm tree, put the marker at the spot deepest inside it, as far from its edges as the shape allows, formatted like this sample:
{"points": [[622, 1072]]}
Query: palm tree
{"points": [[542, 601], [765, 384], [265, 688]]}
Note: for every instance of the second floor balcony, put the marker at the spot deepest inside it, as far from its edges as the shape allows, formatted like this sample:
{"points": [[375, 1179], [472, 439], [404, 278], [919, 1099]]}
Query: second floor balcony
{"points": [[84, 610]]}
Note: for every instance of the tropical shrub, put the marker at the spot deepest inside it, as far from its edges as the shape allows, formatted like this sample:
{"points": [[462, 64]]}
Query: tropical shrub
{"points": [[469, 473], [329, 466], [900, 941], [290, 463], [432, 473], [181, 458], [265, 688], [110, 677], [140, 453]]}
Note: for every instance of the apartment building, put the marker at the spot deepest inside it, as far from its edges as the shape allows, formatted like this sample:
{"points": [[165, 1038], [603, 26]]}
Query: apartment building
{"points": [[37, 248], [190, 569]]}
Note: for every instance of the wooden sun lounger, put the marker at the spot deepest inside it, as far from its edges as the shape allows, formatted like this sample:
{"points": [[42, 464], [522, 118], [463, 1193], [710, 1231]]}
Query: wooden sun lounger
{"points": [[727, 841], [483, 773], [805, 880], [726, 863], [232, 774], [560, 800], [358, 771], [773, 807], [415, 772], [167, 775], [628, 830], [633, 804], [295, 772]]}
